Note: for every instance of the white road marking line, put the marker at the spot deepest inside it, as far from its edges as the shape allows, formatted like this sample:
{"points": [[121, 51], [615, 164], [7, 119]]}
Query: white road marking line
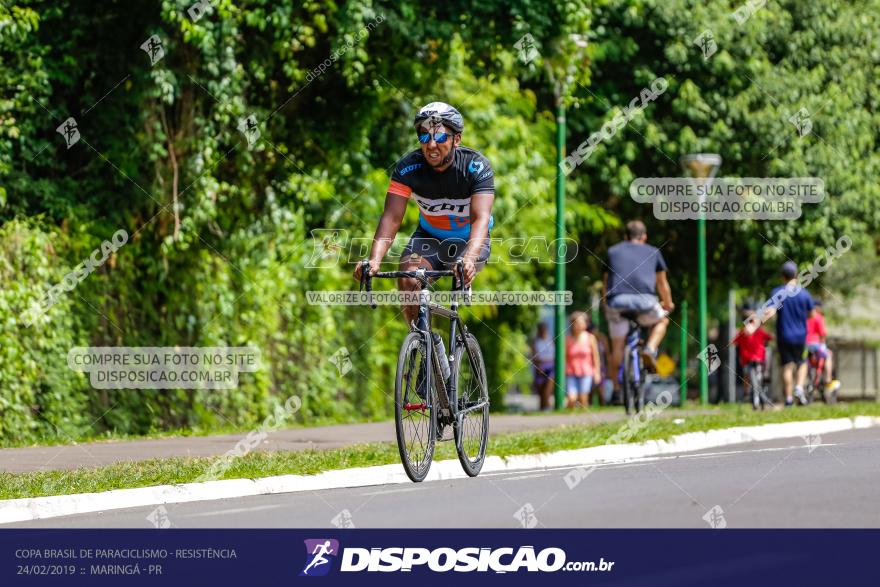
{"points": [[404, 490], [647, 460], [246, 510], [518, 477]]}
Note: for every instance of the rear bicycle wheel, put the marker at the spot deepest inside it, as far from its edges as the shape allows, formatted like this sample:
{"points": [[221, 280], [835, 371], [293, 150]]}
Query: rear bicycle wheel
{"points": [[756, 382], [414, 415], [638, 380], [472, 392], [629, 391]]}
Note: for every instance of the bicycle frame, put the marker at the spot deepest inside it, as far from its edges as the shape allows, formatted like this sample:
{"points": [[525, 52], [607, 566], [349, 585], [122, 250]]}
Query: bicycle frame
{"points": [[818, 366], [446, 397], [632, 346], [815, 375]]}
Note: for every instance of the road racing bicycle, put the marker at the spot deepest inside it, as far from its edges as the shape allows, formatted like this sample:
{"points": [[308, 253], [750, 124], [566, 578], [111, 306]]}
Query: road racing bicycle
{"points": [[434, 391]]}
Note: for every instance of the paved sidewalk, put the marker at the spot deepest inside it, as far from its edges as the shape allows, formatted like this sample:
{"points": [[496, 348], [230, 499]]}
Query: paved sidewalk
{"points": [[93, 454]]}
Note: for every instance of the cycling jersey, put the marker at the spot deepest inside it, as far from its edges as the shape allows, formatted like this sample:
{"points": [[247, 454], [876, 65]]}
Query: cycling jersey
{"points": [[444, 197]]}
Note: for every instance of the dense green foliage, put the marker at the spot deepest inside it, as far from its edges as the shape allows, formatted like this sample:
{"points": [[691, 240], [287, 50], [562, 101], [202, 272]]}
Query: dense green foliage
{"points": [[220, 246]]}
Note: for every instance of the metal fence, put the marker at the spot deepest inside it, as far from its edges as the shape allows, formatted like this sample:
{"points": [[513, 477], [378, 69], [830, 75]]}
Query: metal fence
{"points": [[855, 366]]}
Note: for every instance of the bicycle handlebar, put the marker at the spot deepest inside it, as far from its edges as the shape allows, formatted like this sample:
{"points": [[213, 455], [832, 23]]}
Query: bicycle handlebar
{"points": [[366, 281], [414, 274]]}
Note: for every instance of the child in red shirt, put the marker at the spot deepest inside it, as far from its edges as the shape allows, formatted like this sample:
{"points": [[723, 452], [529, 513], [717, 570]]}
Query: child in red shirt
{"points": [[816, 334], [752, 347]]}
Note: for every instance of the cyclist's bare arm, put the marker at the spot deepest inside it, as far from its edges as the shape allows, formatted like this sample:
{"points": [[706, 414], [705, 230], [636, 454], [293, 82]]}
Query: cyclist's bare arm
{"points": [[389, 224], [481, 212], [665, 291]]}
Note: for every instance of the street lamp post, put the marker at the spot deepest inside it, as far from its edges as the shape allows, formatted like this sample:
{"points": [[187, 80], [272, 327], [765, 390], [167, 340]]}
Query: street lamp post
{"points": [[559, 330], [702, 166], [570, 50]]}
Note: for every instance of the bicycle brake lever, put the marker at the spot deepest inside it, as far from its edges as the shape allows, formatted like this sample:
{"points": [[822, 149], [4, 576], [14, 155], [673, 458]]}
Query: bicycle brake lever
{"points": [[464, 290], [367, 282], [370, 292], [365, 268]]}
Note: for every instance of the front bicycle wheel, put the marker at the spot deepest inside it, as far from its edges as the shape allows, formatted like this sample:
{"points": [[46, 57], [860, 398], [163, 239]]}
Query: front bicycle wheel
{"points": [[472, 392], [414, 408]]}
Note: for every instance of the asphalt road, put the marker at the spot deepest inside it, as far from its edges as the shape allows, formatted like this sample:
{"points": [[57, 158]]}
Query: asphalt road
{"points": [[834, 482]]}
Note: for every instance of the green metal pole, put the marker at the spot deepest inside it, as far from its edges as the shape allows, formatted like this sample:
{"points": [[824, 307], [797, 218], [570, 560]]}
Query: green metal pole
{"points": [[683, 356], [704, 335], [560, 258]]}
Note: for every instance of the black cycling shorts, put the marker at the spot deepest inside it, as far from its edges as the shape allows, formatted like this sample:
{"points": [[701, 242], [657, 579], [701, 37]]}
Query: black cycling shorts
{"points": [[440, 254], [791, 353]]}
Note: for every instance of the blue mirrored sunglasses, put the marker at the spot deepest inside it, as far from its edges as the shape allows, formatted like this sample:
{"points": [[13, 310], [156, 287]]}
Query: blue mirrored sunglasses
{"points": [[439, 137]]}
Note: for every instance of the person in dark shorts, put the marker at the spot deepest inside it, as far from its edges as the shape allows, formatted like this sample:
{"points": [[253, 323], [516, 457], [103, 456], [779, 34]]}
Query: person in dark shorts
{"points": [[792, 306], [635, 276], [454, 188], [543, 362]]}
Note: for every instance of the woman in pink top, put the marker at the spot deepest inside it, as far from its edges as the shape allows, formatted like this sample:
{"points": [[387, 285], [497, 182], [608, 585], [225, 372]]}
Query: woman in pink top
{"points": [[581, 361]]}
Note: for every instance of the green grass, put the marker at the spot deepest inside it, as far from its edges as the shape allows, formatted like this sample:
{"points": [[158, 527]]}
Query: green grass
{"points": [[221, 429], [264, 464]]}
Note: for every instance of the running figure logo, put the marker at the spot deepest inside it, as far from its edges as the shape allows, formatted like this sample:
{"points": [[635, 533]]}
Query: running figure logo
{"points": [[526, 48], [154, 49], [70, 131], [706, 42], [317, 551], [250, 130], [710, 357]]}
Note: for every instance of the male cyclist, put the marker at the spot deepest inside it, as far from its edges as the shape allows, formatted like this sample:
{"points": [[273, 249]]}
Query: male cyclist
{"points": [[636, 275], [454, 188]]}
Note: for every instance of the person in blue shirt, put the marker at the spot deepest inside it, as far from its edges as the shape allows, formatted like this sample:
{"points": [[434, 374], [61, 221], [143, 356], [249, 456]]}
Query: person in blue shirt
{"points": [[792, 306], [635, 280]]}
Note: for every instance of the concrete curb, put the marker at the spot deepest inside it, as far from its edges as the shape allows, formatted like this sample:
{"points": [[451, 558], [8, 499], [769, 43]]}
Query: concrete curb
{"points": [[22, 510]]}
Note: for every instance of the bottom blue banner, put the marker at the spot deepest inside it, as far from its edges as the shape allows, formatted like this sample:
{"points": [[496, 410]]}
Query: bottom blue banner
{"points": [[510, 557]]}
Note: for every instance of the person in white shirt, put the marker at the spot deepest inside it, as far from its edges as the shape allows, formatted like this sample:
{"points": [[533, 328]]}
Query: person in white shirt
{"points": [[543, 364]]}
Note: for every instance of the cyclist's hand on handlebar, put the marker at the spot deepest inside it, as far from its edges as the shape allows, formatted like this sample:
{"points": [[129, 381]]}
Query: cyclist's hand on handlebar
{"points": [[374, 268], [668, 306], [470, 269]]}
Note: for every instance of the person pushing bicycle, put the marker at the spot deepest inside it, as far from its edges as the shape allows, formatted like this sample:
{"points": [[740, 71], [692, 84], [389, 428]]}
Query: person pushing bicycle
{"points": [[752, 344], [454, 188]]}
